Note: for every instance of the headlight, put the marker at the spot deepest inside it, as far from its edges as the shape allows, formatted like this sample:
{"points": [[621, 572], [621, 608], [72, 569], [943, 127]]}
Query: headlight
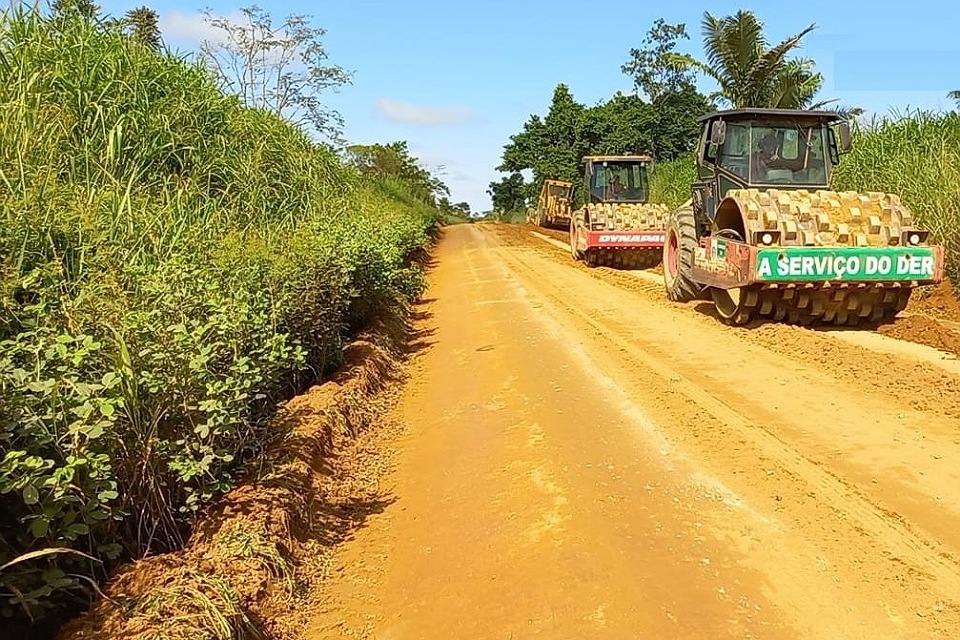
{"points": [[914, 237], [766, 238]]}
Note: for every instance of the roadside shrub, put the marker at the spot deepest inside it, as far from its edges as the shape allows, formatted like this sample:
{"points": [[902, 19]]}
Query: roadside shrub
{"points": [[172, 266]]}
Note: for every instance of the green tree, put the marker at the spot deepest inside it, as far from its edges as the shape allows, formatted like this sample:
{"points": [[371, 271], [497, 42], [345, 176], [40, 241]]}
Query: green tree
{"points": [[669, 126], [553, 146], [143, 25], [394, 161], [955, 96], [509, 194], [550, 147], [675, 121], [651, 67], [280, 69]]}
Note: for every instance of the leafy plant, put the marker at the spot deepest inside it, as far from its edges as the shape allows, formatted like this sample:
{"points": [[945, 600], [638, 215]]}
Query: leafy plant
{"points": [[173, 265]]}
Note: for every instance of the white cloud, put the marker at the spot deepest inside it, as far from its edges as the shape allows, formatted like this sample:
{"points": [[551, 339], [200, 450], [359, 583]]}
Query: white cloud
{"points": [[192, 28], [435, 159], [424, 115]]}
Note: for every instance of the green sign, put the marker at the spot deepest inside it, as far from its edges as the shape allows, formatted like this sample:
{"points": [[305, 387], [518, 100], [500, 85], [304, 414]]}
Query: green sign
{"points": [[860, 263]]}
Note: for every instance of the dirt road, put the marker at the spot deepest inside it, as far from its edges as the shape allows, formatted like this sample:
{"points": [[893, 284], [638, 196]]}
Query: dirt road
{"points": [[583, 458]]}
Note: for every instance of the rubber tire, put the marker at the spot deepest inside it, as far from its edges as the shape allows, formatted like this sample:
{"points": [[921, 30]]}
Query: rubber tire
{"points": [[681, 287]]}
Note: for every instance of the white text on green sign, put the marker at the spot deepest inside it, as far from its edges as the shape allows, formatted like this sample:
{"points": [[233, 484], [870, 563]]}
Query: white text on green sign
{"points": [[846, 264]]}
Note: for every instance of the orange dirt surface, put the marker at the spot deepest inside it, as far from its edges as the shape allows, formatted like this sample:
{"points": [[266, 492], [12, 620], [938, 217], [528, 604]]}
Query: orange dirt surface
{"points": [[939, 301], [562, 236], [571, 455], [931, 318], [580, 458]]}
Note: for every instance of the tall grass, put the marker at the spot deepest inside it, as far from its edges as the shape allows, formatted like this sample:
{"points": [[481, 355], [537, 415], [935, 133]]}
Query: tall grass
{"points": [[916, 155], [172, 266], [670, 181]]}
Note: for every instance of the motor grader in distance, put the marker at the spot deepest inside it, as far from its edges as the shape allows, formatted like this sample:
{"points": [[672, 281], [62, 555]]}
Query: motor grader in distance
{"points": [[554, 205], [764, 236], [617, 227]]}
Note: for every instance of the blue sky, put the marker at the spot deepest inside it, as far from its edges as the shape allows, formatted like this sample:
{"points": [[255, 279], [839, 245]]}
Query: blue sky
{"points": [[456, 79]]}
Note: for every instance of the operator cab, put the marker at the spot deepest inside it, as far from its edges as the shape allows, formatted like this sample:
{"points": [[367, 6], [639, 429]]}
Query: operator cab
{"points": [[617, 178], [771, 148], [559, 190]]}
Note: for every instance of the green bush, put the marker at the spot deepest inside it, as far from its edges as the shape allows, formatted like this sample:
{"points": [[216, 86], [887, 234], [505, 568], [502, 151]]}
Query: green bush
{"points": [[172, 266], [670, 181]]}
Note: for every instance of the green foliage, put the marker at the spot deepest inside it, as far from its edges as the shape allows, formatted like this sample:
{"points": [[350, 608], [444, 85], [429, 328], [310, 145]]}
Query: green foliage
{"points": [[651, 67], [173, 264], [510, 193], [917, 156], [749, 72], [451, 213], [143, 24], [394, 160], [83, 8], [553, 147], [663, 124], [670, 181]]}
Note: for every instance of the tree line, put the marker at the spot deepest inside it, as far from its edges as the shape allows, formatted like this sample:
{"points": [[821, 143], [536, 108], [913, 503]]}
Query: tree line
{"points": [[660, 117]]}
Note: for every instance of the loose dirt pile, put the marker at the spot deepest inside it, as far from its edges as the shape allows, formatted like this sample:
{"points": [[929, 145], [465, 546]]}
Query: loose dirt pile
{"points": [[932, 318], [252, 563], [939, 302]]}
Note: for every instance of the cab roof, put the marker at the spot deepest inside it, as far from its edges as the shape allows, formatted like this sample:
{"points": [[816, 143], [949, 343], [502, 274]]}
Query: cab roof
{"points": [[619, 158], [760, 113]]}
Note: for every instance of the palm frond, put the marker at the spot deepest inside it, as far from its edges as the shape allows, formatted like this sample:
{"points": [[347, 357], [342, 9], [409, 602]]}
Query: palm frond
{"points": [[773, 63], [745, 38], [711, 29]]}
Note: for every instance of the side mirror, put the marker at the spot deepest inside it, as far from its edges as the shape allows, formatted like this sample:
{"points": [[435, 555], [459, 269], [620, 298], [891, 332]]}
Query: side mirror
{"points": [[845, 139], [718, 132]]}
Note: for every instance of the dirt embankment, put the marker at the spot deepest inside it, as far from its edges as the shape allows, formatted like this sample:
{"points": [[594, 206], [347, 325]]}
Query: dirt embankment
{"points": [[251, 566], [932, 318]]}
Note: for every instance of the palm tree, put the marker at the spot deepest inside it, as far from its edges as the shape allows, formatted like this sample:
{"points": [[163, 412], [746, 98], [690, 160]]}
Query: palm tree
{"points": [[955, 96], [750, 72]]}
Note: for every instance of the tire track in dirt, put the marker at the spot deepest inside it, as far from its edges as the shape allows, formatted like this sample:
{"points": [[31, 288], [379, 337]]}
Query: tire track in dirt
{"points": [[907, 469], [889, 533], [924, 388], [525, 503], [584, 459], [926, 395], [931, 319]]}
